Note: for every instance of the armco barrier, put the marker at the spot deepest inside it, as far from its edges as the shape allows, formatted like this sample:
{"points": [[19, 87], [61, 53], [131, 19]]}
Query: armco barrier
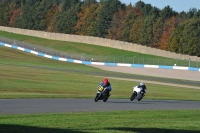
{"points": [[97, 63]]}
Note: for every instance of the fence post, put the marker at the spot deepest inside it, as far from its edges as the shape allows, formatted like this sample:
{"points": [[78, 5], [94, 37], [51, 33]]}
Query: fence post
{"points": [[189, 62]]}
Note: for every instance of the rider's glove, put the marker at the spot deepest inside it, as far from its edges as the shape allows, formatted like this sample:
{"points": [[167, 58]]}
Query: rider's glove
{"points": [[98, 86]]}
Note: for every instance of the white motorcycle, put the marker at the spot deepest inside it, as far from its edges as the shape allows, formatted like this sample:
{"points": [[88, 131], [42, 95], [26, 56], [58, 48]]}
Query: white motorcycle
{"points": [[137, 93]]}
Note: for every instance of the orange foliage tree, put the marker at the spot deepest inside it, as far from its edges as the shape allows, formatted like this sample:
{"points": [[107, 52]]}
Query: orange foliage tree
{"points": [[87, 18], [50, 18], [118, 21], [15, 14], [168, 29]]}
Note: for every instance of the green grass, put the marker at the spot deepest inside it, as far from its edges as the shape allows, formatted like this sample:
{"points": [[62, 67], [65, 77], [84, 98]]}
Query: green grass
{"points": [[176, 121], [98, 53], [24, 75], [72, 46]]}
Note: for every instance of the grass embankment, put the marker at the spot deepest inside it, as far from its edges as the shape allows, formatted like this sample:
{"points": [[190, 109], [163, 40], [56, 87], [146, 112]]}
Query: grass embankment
{"points": [[99, 53], [74, 47]]}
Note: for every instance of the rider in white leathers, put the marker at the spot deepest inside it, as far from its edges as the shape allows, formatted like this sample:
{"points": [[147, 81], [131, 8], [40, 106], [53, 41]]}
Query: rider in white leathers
{"points": [[143, 86]]}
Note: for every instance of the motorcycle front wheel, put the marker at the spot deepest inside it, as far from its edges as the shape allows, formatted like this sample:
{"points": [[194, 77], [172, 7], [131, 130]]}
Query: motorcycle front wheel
{"points": [[133, 96], [96, 98]]}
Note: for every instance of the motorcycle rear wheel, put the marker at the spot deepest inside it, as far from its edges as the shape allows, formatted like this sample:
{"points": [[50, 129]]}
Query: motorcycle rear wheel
{"points": [[140, 99], [105, 99]]}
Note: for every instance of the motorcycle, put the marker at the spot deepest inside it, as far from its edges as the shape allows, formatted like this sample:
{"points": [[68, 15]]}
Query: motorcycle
{"points": [[137, 93], [101, 94]]}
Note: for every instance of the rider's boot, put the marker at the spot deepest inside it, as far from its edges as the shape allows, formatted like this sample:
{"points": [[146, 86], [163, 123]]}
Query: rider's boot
{"points": [[108, 93]]}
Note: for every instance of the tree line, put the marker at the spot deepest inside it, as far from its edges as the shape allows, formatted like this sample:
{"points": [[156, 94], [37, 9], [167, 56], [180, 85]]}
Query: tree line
{"points": [[140, 23]]}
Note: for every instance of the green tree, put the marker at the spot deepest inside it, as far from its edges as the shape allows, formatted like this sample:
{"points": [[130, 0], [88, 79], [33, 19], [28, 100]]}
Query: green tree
{"points": [[41, 9], [105, 17], [167, 12], [3, 5], [146, 33], [89, 2], [6, 11], [68, 4], [26, 20], [126, 30], [140, 4], [67, 19], [135, 30], [174, 44], [117, 23], [185, 38], [191, 40], [50, 18], [192, 12], [87, 19], [147, 10], [157, 32]]}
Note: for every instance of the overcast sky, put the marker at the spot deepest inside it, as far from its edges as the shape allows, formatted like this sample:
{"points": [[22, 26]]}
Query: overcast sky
{"points": [[176, 5]]}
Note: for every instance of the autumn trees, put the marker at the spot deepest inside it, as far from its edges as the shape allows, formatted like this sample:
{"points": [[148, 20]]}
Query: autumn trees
{"points": [[139, 23]]}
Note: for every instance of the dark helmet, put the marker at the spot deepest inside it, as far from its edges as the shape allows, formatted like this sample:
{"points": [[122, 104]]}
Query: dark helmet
{"points": [[105, 81]]}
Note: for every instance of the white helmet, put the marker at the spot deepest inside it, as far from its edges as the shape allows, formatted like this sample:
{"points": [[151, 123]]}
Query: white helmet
{"points": [[141, 84]]}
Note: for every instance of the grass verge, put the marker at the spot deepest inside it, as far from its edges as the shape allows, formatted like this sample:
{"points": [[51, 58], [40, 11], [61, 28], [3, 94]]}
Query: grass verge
{"points": [[173, 121]]}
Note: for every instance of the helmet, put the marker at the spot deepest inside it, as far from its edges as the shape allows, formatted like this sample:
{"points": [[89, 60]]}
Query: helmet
{"points": [[141, 84], [105, 81]]}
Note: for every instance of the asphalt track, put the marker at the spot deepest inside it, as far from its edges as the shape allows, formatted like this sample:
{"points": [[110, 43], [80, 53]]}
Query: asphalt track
{"points": [[31, 106]]}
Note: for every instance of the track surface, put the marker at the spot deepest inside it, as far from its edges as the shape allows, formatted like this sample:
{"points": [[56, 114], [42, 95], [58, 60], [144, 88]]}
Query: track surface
{"points": [[30, 106], [162, 73]]}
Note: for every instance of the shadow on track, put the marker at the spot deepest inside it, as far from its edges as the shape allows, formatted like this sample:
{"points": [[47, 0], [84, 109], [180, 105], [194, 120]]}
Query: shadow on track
{"points": [[162, 101], [6, 128], [131, 102], [150, 130]]}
